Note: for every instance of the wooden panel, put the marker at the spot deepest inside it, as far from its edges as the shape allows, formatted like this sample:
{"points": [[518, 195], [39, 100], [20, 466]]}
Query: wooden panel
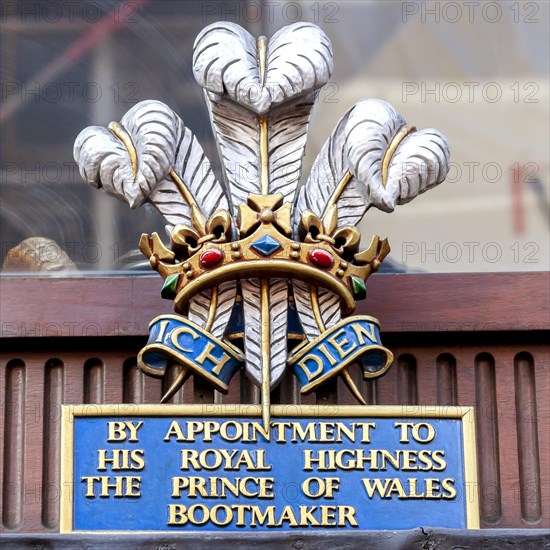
{"points": [[459, 302], [14, 442], [94, 381], [446, 379], [527, 437], [54, 374], [434, 303], [508, 385], [406, 383], [487, 419]]}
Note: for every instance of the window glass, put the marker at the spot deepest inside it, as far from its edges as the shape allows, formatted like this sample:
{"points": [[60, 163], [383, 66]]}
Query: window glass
{"points": [[478, 72]]}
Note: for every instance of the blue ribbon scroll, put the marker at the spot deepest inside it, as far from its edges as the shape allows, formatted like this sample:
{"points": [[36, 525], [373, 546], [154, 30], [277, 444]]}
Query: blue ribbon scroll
{"points": [[354, 339], [175, 338]]}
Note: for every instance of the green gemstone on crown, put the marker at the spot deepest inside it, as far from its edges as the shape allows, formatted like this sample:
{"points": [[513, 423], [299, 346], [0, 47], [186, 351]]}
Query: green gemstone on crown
{"points": [[358, 287], [169, 288]]}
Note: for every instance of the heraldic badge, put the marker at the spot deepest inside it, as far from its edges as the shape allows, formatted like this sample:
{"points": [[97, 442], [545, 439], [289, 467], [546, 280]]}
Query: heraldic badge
{"points": [[262, 270]]}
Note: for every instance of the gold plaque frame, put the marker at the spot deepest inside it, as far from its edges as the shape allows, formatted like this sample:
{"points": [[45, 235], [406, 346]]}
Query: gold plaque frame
{"points": [[70, 412]]}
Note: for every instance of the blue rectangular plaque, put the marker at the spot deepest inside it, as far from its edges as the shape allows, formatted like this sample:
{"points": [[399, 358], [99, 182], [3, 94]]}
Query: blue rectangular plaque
{"points": [[215, 467]]}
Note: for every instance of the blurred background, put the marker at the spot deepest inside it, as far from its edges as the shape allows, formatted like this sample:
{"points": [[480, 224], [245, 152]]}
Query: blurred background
{"points": [[477, 71]]}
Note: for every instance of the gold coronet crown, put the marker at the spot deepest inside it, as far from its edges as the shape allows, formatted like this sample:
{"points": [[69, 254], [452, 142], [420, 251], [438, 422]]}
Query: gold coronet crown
{"points": [[204, 256]]}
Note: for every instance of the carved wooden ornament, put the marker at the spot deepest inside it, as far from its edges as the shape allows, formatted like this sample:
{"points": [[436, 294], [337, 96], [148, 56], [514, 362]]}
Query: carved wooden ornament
{"points": [[262, 270]]}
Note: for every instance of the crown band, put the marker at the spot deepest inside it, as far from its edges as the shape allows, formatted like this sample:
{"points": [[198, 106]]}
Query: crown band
{"points": [[266, 268]]}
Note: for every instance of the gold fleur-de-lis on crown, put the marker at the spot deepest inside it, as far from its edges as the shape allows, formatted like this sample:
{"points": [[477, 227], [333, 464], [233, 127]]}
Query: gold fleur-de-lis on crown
{"points": [[345, 240], [186, 240]]}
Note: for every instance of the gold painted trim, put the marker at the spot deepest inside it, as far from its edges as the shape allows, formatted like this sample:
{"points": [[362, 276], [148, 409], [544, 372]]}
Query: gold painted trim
{"points": [[402, 133], [302, 411], [299, 346], [314, 295], [346, 376], [66, 469], [296, 336], [264, 283], [70, 412], [338, 190], [264, 155], [234, 336], [268, 269], [262, 57], [120, 132], [266, 350], [212, 310], [188, 197], [470, 469], [176, 385], [182, 188], [262, 120]]}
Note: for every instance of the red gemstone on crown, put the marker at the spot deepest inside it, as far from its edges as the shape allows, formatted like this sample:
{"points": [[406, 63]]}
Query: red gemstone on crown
{"points": [[320, 258], [210, 258]]}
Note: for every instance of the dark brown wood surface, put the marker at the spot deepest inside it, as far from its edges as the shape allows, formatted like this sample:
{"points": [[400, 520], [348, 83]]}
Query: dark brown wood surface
{"points": [[124, 306]]}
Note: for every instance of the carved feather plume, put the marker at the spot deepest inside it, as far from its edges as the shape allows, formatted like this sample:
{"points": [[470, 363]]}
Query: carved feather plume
{"points": [[277, 307], [372, 158], [260, 95], [357, 147], [129, 159], [195, 171], [150, 156]]}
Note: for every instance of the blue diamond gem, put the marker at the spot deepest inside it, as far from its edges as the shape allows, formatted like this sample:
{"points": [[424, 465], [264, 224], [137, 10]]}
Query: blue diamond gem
{"points": [[266, 245]]}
